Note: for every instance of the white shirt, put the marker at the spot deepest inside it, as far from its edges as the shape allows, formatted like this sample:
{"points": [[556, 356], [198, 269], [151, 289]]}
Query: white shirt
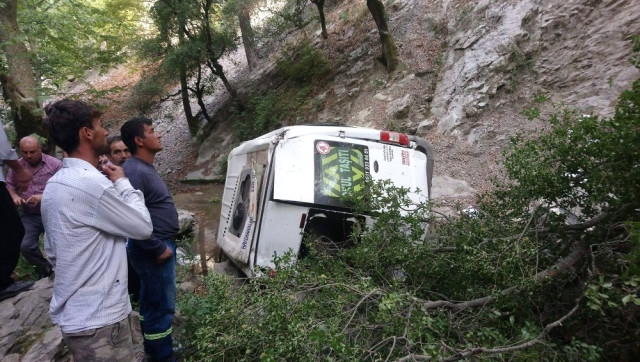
{"points": [[87, 219], [6, 152]]}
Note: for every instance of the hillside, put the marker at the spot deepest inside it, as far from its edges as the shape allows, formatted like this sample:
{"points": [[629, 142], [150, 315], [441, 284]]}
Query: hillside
{"points": [[468, 71]]}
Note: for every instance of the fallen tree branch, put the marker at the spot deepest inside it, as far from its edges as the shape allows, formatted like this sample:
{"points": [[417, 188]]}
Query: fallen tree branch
{"points": [[355, 309], [465, 353], [576, 227], [444, 249], [477, 350], [562, 265], [589, 223], [564, 228], [446, 217]]}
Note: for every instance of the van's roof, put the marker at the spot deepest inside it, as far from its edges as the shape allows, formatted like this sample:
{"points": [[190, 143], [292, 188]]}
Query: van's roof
{"points": [[320, 129], [329, 129]]}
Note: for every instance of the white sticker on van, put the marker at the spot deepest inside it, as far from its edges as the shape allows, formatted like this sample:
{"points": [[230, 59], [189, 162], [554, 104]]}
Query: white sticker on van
{"points": [[406, 160], [388, 153]]}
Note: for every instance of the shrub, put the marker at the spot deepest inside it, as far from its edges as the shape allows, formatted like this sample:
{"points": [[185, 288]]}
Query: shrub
{"points": [[302, 63], [145, 94], [270, 111]]}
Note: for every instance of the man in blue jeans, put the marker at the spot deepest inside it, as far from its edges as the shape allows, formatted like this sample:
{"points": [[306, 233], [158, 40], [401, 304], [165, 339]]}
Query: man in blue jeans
{"points": [[154, 259]]}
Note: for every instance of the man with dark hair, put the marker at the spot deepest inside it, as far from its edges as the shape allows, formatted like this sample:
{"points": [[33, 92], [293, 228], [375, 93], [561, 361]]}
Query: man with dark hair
{"points": [[87, 219], [118, 151], [153, 259], [42, 167], [10, 225]]}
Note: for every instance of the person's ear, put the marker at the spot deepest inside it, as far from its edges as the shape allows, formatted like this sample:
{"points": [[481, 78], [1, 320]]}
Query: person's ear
{"points": [[86, 132], [138, 141]]}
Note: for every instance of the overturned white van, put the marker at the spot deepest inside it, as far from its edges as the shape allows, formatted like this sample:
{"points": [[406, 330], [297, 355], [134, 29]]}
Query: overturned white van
{"points": [[291, 181]]}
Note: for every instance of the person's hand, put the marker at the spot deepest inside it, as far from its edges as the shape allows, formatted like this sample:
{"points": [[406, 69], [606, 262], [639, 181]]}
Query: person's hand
{"points": [[17, 200], [112, 171], [164, 256], [34, 200], [102, 160]]}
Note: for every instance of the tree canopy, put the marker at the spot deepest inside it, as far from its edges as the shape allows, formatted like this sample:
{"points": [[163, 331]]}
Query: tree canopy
{"points": [[45, 42]]}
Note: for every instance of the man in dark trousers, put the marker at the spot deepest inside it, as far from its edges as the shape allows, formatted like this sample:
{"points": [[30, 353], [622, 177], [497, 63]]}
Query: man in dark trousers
{"points": [[10, 224], [42, 167], [153, 259]]}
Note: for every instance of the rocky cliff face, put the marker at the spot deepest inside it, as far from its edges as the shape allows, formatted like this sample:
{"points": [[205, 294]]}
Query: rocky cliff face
{"points": [[577, 52], [468, 71]]}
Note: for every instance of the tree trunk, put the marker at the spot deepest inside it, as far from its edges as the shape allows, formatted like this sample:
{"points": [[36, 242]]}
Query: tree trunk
{"points": [[184, 86], [18, 82], [389, 49], [217, 69], [248, 40], [199, 91], [323, 23], [186, 104], [213, 56]]}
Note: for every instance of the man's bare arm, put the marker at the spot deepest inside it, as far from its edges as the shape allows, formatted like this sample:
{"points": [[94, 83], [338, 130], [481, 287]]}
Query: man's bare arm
{"points": [[21, 176]]}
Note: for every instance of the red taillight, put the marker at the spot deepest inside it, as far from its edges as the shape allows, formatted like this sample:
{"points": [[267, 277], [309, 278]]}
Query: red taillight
{"points": [[394, 137]]}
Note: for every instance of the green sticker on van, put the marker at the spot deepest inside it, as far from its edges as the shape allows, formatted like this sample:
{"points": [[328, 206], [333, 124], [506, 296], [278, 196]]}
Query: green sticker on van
{"points": [[340, 168]]}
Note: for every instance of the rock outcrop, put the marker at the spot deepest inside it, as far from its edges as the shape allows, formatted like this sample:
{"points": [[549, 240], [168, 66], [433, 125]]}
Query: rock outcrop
{"points": [[575, 51], [26, 331]]}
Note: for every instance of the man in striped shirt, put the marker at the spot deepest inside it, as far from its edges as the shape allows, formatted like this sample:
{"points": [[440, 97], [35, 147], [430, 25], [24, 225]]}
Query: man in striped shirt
{"points": [[87, 219], [42, 167]]}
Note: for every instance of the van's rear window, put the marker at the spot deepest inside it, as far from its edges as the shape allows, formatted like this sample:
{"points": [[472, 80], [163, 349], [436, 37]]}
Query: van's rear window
{"points": [[340, 168]]}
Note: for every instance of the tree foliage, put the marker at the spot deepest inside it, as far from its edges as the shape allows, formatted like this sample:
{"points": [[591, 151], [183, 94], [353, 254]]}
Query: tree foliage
{"points": [[192, 37], [547, 269], [70, 36], [46, 42]]}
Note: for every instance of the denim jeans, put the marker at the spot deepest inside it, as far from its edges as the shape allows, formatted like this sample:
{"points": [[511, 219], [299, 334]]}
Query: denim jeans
{"points": [[157, 301]]}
